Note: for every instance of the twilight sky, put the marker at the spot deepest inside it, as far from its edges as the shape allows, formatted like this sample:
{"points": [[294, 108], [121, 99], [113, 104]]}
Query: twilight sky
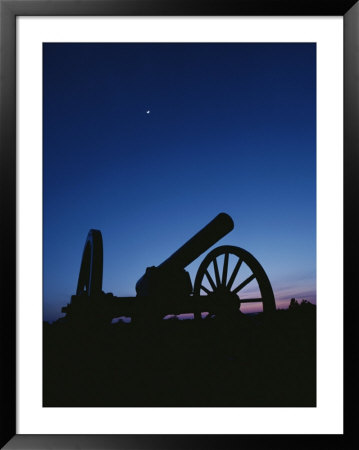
{"points": [[230, 127]]}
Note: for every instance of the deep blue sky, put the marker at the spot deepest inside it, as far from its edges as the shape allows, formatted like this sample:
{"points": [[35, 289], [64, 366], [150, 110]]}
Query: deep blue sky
{"points": [[232, 127]]}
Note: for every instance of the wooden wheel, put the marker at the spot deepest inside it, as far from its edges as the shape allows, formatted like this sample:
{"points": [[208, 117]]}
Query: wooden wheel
{"points": [[224, 279], [91, 270]]}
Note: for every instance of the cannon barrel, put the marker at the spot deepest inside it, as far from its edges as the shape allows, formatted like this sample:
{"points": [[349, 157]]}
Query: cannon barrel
{"points": [[159, 281], [199, 243]]}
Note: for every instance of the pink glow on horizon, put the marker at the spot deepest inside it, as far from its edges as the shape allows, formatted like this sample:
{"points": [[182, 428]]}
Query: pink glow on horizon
{"points": [[282, 300]]}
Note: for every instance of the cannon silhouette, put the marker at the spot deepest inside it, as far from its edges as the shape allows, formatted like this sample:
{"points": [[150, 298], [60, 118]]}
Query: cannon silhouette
{"points": [[167, 288]]}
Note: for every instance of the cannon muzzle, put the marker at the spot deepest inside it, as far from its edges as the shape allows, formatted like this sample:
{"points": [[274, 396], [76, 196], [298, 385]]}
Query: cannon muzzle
{"points": [[200, 242]]}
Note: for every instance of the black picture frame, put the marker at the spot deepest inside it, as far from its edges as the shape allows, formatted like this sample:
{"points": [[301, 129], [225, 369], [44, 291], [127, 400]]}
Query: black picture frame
{"points": [[9, 10]]}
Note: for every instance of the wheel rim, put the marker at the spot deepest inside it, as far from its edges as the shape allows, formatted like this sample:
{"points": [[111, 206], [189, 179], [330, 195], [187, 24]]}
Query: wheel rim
{"points": [[223, 284], [91, 270]]}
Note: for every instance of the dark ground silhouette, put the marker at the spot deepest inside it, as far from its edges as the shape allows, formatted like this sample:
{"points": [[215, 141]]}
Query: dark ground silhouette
{"points": [[247, 360]]}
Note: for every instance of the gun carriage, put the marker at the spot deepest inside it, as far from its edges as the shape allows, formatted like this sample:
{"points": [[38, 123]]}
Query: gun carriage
{"points": [[167, 288]]}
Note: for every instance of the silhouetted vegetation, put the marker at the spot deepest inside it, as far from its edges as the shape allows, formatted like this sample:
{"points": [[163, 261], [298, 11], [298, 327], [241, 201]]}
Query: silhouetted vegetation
{"points": [[304, 306], [247, 360]]}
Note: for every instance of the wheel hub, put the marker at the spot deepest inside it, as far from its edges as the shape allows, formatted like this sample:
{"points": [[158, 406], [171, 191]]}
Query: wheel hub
{"points": [[225, 302]]}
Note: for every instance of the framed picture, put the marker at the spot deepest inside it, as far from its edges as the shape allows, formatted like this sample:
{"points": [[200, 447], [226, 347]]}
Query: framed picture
{"points": [[135, 137]]}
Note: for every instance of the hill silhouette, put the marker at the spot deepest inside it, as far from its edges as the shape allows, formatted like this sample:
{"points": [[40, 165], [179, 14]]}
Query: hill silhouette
{"points": [[246, 360]]}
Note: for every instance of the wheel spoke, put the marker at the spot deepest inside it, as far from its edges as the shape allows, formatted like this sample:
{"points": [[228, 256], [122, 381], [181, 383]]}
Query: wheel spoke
{"points": [[245, 282], [251, 300], [211, 282], [216, 271], [234, 274], [205, 289], [225, 269]]}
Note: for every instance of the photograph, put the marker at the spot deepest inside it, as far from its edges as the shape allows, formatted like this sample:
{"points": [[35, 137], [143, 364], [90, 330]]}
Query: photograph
{"points": [[179, 224], [179, 214]]}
